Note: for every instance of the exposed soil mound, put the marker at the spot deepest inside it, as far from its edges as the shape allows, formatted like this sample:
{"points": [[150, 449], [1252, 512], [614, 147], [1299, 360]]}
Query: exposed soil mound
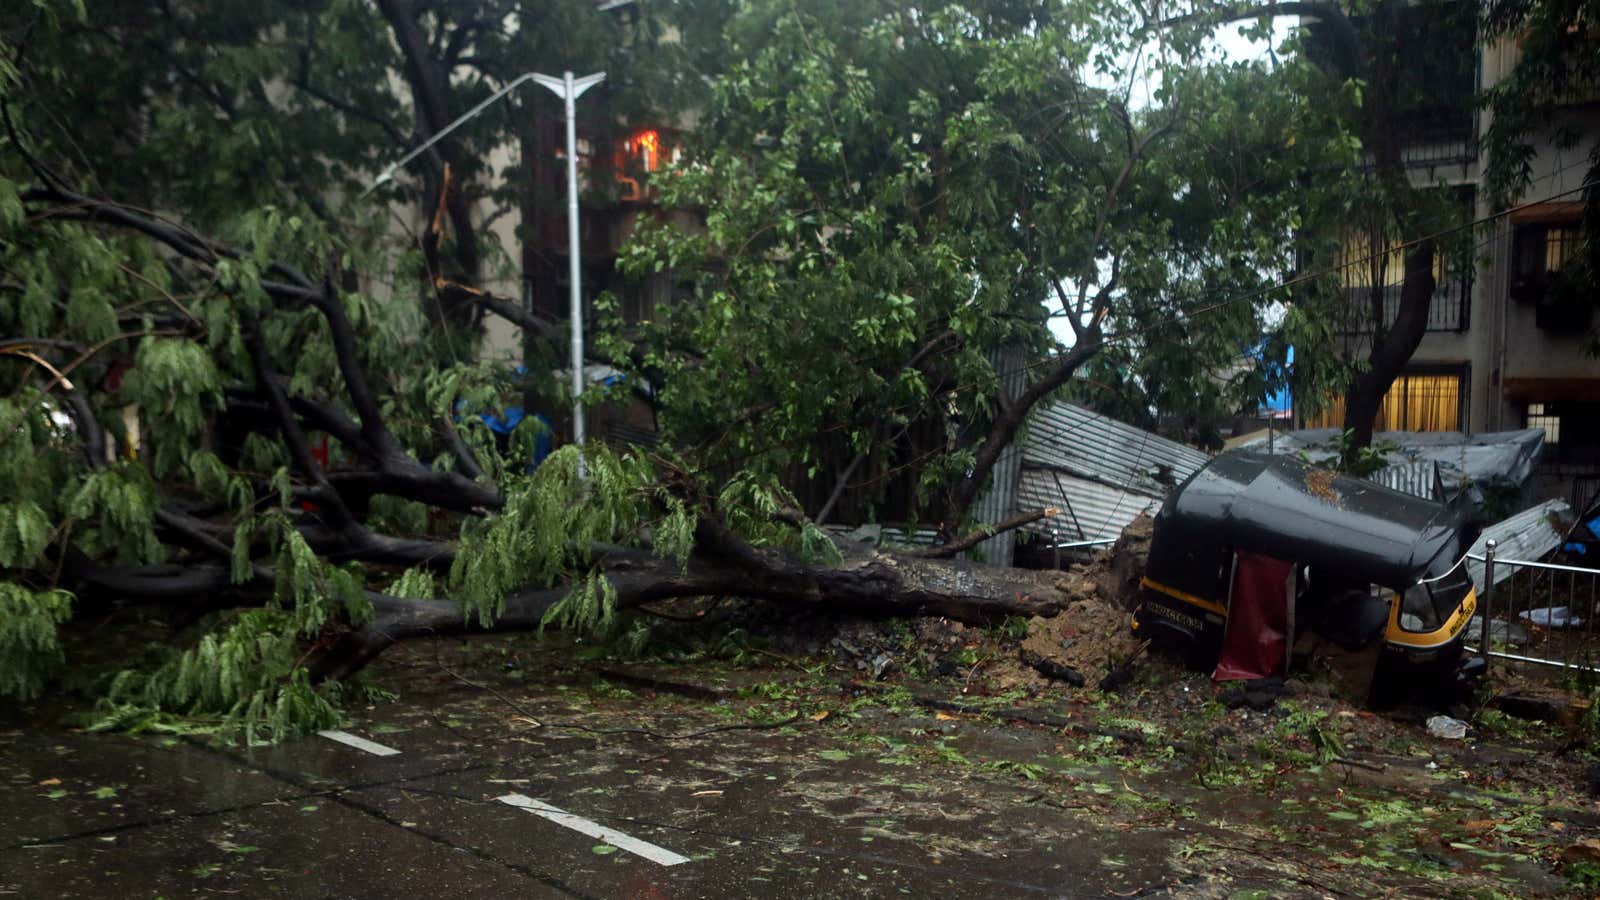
{"points": [[1092, 637], [1118, 571]]}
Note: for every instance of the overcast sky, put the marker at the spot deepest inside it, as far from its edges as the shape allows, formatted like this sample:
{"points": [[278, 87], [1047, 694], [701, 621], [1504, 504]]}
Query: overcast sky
{"points": [[1230, 43]]}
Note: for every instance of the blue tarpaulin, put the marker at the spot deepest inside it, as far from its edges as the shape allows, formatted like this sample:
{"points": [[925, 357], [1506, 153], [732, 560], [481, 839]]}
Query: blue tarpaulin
{"points": [[507, 421]]}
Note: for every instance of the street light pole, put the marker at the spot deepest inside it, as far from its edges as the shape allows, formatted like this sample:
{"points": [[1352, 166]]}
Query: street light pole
{"points": [[569, 89]]}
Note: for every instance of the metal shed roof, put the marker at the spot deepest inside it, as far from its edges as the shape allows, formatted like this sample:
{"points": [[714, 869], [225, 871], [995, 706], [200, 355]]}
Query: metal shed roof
{"points": [[1528, 535], [1090, 511], [1095, 447], [1101, 473], [1417, 477]]}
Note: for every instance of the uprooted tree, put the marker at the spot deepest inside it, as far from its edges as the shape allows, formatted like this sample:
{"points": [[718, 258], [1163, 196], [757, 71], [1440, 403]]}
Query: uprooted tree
{"points": [[243, 426]]}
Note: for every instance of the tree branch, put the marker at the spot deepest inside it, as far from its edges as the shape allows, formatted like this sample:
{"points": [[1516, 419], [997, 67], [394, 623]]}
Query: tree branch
{"points": [[1012, 415], [978, 536]]}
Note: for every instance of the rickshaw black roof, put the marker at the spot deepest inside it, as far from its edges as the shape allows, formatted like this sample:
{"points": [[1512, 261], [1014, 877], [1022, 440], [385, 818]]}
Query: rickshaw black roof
{"points": [[1271, 505]]}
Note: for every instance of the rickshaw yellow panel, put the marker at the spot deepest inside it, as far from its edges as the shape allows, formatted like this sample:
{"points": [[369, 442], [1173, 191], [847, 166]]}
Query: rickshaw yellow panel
{"points": [[1394, 634], [1185, 596]]}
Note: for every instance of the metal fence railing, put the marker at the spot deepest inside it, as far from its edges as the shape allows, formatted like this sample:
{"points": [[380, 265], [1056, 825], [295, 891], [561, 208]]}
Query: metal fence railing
{"points": [[1536, 613]]}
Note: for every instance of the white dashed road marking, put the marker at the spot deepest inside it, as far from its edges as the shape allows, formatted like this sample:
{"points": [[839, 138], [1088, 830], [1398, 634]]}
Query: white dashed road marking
{"points": [[360, 743], [579, 824]]}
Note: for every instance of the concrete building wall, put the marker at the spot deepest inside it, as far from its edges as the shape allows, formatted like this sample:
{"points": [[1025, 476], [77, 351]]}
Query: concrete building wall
{"points": [[1503, 340]]}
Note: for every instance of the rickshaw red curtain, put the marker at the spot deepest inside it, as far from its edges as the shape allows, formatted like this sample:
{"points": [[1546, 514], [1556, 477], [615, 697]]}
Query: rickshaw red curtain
{"points": [[1255, 643]]}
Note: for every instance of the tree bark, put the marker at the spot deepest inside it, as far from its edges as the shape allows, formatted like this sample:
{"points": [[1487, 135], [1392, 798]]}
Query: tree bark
{"points": [[429, 79], [1376, 58], [1391, 349], [1010, 420], [1393, 344], [873, 584]]}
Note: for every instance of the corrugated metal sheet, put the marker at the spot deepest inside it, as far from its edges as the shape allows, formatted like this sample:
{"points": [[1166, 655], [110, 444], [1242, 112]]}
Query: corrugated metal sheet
{"points": [[1529, 535], [1101, 474], [888, 535], [1466, 461], [1417, 477], [1092, 446], [1089, 510], [998, 501]]}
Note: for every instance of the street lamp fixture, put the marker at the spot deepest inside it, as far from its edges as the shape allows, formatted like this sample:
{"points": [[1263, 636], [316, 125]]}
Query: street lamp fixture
{"points": [[569, 89]]}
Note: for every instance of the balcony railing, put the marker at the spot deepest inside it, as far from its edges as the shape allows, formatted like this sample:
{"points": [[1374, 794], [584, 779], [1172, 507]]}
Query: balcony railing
{"points": [[1450, 311], [1434, 136]]}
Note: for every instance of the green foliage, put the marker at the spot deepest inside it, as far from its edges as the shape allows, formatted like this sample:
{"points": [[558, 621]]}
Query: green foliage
{"points": [[1312, 724], [115, 507], [1351, 458], [29, 649], [889, 200], [589, 608], [174, 383], [892, 199], [418, 583], [1583, 873], [104, 331], [24, 532], [216, 482], [311, 589], [674, 534], [246, 674], [549, 516], [752, 505]]}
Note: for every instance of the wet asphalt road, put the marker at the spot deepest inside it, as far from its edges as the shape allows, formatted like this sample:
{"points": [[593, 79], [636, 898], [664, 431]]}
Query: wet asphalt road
{"points": [[873, 800], [751, 813], [115, 816]]}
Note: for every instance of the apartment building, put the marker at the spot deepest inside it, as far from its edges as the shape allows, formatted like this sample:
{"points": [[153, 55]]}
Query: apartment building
{"points": [[1503, 351]]}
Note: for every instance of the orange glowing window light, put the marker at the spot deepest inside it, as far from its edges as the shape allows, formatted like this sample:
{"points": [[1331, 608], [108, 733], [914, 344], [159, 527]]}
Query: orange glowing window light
{"points": [[647, 145]]}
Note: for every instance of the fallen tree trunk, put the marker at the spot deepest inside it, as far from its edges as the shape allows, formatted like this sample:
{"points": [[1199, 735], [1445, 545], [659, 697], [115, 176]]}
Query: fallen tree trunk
{"points": [[872, 584]]}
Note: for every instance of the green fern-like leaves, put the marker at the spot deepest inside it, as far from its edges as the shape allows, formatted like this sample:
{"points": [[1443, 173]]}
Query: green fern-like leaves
{"points": [[313, 591], [247, 675], [751, 505], [550, 518], [29, 649], [24, 531], [116, 506], [674, 534], [590, 608], [174, 382], [418, 584]]}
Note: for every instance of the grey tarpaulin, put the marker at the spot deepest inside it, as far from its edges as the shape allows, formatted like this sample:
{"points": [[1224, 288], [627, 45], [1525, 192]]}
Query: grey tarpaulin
{"points": [[1464, 460]]}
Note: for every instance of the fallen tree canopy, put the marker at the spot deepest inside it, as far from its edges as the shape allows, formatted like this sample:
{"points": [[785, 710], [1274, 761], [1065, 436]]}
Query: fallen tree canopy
{"points": [[282, 547], [261, 407]]}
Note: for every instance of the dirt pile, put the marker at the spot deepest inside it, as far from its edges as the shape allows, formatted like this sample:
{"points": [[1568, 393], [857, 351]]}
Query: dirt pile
{"points": [[1091, 642], [1118, 570]]}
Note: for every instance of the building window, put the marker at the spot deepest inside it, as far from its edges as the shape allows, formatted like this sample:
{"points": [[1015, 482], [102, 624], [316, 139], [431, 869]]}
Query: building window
{"points": [[1371, 264], [644, 151], [1547, 241], [1537, 417], [1571, 430], [645, 147], [1540, 251], [1415, 402]]}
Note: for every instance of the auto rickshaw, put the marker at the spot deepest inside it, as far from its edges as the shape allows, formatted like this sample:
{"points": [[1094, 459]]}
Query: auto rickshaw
{"points": [[1255, 550]]}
